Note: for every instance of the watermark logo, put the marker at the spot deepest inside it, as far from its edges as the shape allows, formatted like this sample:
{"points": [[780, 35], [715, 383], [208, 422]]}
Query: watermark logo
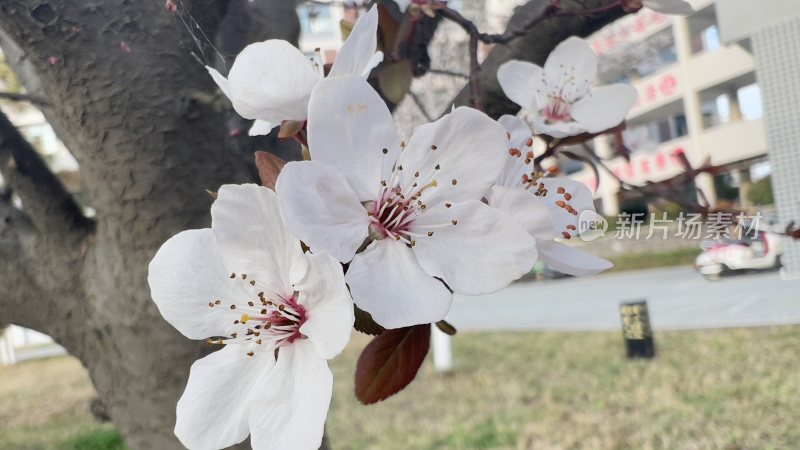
{"points": [[591, 226]]}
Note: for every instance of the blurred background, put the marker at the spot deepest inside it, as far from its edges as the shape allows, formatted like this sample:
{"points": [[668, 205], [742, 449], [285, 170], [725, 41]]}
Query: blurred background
{"points": [[544, 364]]}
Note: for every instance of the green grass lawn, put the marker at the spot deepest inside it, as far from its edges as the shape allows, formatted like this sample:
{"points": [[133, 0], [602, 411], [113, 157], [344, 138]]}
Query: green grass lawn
{"points": [[652, 260], [44, 405], [725, 389]]}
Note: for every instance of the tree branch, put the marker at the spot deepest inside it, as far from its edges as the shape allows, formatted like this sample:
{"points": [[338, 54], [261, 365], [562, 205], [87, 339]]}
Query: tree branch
{"points": [[17, 294], [47, 202], [19, 61], [24, 98], [39, 277]]}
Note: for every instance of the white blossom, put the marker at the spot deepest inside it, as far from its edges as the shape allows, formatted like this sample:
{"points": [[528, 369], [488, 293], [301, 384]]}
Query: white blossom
{"points": [[559, 99], [416, 207], [547, 208], [280, 313], [271, 81]]}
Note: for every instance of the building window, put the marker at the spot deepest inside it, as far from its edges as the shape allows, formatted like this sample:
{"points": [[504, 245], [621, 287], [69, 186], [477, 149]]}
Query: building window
{"points": [[710, 38], [316, 20], [750, 102]]}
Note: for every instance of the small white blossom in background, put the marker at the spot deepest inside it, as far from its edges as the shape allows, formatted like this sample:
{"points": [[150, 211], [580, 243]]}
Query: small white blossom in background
{"points": [[280, 313], [416, 207], [271, 81], [559, 100], [674, 7], [547, 208]]}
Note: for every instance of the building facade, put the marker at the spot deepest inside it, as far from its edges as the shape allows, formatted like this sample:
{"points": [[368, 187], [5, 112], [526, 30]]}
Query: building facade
{"points": [[774, 35], [697, 96]]}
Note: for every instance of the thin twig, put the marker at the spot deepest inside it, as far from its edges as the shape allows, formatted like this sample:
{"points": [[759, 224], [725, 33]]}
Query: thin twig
{"points": [[552, 10], [474, 66], [451, 73], [24, 98], [419, 104]]}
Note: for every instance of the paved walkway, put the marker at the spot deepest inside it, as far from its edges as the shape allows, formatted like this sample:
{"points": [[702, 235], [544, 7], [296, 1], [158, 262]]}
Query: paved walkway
{"points": [[678, 298]]}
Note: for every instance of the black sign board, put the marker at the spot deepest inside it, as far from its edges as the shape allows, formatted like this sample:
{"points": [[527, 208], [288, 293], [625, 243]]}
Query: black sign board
{"points": [[636, 330]]}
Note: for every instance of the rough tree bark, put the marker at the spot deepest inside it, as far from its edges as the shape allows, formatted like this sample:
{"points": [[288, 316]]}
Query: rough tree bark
{"points": [[149, 131]]}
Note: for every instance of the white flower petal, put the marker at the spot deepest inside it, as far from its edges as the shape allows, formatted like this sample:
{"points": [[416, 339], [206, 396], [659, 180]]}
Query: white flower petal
{"points": [[463, 152], [358, 50], [387, 282], [291, 401], [185, 275], [221, 81], [678, 7], [524, 209], [575, 195], [271, 81], [373, 62], [349, 126], [483, 252], [523, 83], [319, 208], [252, 238], [571, 261], [518, 130], [529, 211], [329, 307], [515, 166], [605, 107], [557, 130], [261, 128], [571, 68], [214, 409]]}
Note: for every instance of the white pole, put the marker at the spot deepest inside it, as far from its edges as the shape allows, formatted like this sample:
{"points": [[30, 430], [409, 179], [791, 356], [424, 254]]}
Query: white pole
{"points": [[7, 355], [442, 350]]}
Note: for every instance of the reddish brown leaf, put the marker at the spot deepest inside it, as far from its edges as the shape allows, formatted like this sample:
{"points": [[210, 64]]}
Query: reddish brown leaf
{"points": [[388, 26], [269, 167], [290, 128], [366, 324], [390, 362]]}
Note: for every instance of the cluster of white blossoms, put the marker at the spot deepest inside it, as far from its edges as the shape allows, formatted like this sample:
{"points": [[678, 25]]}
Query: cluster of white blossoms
{"points": [[394, 227]]}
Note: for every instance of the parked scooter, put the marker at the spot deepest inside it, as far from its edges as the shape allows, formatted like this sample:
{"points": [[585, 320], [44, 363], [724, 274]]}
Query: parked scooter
{"points": [[757, 250]]}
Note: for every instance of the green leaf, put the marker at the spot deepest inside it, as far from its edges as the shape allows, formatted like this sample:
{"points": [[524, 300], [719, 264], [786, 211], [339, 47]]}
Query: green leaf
{"points": [[394, 80]]}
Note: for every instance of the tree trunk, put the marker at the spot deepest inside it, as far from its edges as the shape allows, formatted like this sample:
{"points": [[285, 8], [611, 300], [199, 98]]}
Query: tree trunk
{"points": [[140, 114]]}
